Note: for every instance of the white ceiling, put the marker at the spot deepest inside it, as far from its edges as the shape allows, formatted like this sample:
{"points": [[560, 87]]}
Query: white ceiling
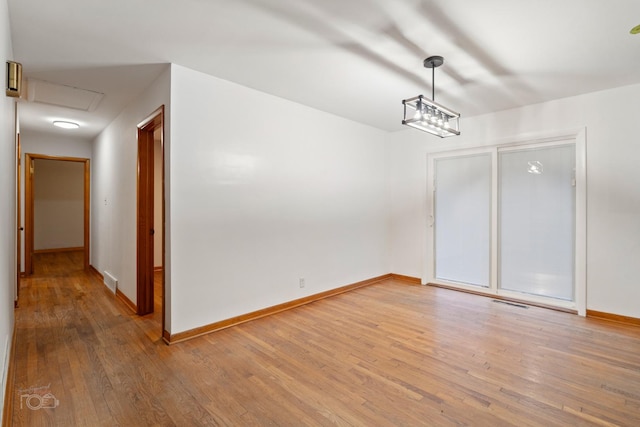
{"points": [[354, 58]]}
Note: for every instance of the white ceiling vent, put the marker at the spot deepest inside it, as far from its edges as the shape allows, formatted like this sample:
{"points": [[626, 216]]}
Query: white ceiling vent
{"points": [[62, 95]]}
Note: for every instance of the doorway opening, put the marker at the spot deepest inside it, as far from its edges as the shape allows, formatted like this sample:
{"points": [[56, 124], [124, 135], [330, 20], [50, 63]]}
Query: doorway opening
{"points": [[150, 218], [57, 197]]}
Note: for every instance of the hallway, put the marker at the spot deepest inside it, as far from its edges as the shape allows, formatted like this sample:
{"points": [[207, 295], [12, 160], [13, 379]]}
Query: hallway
{"points": [[76, 341]]}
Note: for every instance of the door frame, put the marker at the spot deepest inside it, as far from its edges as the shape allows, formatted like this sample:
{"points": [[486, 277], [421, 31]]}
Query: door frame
{"points": [[145, 214], [19, 227], [577, 137], [29, 211]]}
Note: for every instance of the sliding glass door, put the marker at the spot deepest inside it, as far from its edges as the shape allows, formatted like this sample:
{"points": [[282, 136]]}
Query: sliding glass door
{"points": [[537, 221], [504, 221], [463, 225]]}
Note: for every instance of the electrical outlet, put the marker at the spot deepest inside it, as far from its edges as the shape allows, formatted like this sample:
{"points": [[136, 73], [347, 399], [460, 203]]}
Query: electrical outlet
{"points": [[302, 282]]}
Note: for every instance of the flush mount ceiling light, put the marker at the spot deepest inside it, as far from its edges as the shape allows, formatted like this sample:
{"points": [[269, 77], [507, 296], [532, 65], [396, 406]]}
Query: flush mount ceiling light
{"points": [[65, 125], [425, 114], [635, 30]]}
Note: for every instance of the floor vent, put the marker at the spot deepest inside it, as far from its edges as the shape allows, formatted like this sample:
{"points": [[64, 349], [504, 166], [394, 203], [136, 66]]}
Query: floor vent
{"points": [[511, 303], [110, 281]]}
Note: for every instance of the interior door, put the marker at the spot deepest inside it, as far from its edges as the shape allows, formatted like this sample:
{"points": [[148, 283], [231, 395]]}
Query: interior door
{"points": [[145, 220]]}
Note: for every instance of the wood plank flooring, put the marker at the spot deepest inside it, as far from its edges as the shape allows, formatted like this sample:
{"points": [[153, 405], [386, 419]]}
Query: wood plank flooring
{"points": [[390, 354]]}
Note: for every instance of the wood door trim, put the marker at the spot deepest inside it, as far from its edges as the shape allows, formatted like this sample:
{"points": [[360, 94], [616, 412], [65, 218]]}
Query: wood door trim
{"points": [[29, 209], [28, 215], [144, 286], [155, 119], [87, 213], [19, 227]]}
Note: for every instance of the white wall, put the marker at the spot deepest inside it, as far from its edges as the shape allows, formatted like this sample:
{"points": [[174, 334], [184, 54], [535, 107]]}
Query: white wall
{"points": [[613, 185], [263, 192], [58, 142], [58, 199], [8, 242], [113, 187]]}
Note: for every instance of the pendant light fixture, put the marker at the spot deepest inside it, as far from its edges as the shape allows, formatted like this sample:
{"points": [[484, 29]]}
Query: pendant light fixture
{"points": [[428, 116]]}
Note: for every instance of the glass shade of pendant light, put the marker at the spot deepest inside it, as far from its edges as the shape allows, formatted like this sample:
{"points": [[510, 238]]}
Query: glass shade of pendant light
{"points": [[427, 115]]}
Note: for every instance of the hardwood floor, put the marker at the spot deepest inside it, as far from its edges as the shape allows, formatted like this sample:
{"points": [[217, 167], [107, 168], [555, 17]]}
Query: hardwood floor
{"points": [[387, 354]]}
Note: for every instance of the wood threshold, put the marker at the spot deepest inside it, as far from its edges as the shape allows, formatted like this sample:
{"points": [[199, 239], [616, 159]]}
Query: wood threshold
{"points": [[158, 268], [7, 413], [504, 298], [408, 279], [122, 297], [55, 250], [223, 324], [613, 317]]}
